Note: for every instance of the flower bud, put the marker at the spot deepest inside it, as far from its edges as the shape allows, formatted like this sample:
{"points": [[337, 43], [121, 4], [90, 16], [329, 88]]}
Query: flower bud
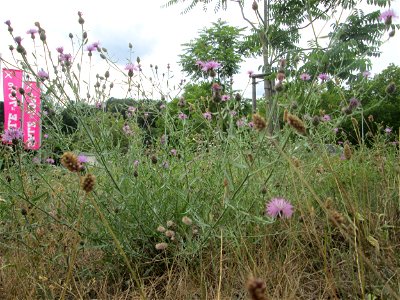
{"points": [[254, 6], [391, 88]]}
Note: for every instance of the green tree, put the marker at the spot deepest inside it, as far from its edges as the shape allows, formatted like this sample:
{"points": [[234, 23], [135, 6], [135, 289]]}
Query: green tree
{"points": [[221, 43]]}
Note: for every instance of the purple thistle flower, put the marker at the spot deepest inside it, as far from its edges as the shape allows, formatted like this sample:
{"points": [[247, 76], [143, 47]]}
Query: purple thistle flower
{"points": [[241, 122], [225, 98], [36, 160], [131, 109], [182, 116], [162, 106], [127, 129], [43, 75], [18, 40], [83, 159], [279, 208], [207, 115], [200, 63], [46, 136], [326, 118], [324, 77], [136, 163], [388, 130], [165, 165], [233, 113], [250, 73], [131, 67], [387, 15], [66, 58], [251, 124], [91, 48], [32, 31], [60, 50], [8, 23], [305, 77], [366, 74], [210, 65], [12, 135], [335, 130], [50, 161], [174, 152]]}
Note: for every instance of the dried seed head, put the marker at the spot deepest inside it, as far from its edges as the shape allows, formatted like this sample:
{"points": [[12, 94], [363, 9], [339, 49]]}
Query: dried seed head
{"points": [[315, 120], [285, 115], [161, 246], [347, 151], [354, 122], [254, 6], [264, 190], [296, 162], [154, 159], [296, 123], [161, 229], [71, 162], [88, 183], [259, 122], [336, 218], [170, 233], [238, 97], [225, 182], [170, 224], [187, 221], [391, 88], [371, 118], [256, 288]]}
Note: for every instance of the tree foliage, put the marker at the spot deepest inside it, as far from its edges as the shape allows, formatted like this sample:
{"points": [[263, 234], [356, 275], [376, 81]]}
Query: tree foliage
{"points": [[220, 42]]}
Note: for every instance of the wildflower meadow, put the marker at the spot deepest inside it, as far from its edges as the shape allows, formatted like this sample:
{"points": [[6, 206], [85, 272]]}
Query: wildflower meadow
{"points": [[119, 180]]}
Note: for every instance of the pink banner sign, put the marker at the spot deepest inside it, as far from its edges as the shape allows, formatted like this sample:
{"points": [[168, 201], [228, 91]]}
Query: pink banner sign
{"points": [[31, 120], [12, 81]]}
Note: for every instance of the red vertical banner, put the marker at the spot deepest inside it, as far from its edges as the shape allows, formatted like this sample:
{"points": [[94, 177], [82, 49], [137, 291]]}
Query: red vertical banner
{"points": [[12, 80], [31, 120]]}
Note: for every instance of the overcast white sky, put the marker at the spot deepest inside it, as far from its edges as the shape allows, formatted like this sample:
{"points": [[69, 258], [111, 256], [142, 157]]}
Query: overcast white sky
{"points": [[156, 33]]}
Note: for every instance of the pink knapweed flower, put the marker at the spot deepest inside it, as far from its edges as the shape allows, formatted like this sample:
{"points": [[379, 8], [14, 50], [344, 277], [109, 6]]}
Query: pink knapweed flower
{"points": [[32, 32], [279, 208], [8, 23], [46, 136], [323, 76], [174, 152], [250, 73], [326, 118], [50, 161], [131, 67], [200, 63], [60, 50], [366, 74], [42, 74], [91, 48], [182, 116], [207, 115], [18, 40], [388, 130], [305, 77], [210, 65], [225, 98], [65, 57], [241, 122], [251, 124], [387, 16], [233, 113], [83, 159], [12, 135]]}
